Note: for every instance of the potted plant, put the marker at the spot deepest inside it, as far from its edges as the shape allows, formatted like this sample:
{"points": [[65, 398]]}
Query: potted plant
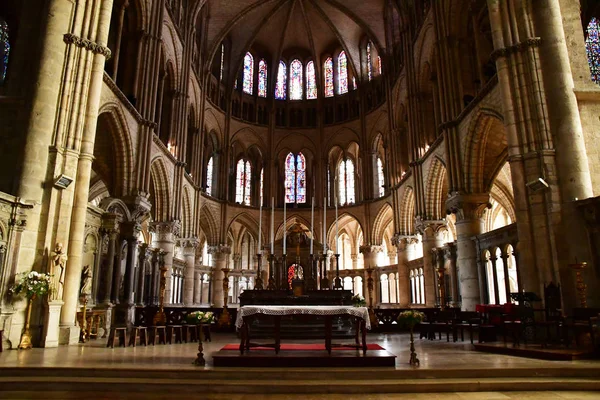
{"points": [[410, 318], [358, 301], [200, 317], [30, 285]]}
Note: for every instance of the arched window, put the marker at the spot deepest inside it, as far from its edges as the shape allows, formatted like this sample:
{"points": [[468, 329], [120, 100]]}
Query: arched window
{"points": [[295, 178], [262, 181], [380, 177], [592, 45], [369, 62], [311, 81], [379, 67], [209, 176], [421, 286], [296, 83], [244, 173], [222, 62], [4, 49], [346, 182], [328, 70], [262, 79], [280, 86], [342, 73], [385, 288], [248, 73]]}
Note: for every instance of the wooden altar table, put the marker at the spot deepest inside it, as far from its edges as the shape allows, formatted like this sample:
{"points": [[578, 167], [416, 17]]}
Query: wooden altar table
{"points": [[247, 313]]}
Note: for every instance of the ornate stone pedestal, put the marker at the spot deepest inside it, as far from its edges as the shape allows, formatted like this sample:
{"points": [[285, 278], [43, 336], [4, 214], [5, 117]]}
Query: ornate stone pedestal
{"points": [[50, 335]]}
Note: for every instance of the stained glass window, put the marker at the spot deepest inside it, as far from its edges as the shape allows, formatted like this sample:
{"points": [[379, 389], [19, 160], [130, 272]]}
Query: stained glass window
{"points": [[222, 62], [592, 45], [295, 178], [209, 176], [328, 68], [296, 83], [354, 85], [311, 81], [243, 182], [262, 78], [380, 177], [4, 50], [346, 183], [342, 73], [369, 62], [262, 182], [248, 73], [281, 85], [379, 69]]}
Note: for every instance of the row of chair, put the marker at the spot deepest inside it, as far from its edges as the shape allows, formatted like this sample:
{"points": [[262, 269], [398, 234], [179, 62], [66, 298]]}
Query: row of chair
{"points": [[162, 334]]}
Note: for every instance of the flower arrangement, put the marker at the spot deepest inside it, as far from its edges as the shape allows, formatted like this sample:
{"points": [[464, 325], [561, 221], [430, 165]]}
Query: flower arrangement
{"points": [[200, 317], [359, 301], [31, 284], [410, 318]]}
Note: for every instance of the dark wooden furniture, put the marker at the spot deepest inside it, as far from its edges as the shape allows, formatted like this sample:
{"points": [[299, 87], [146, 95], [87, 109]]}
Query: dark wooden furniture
{"points": [[444, 322], [119, 333], [161, 332], [469, 320], [138, 332], [190, 333], [1, 332], [174, 330]]}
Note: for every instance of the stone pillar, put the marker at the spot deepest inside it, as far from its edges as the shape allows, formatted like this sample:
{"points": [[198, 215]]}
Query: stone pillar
{"points": [[433, 233], [370, 258], [189, 247], [469, 210], [405, 245], [144, 255], [450, 256], [354, 258], [219, 254], [165, 234], [124, 313], [197, 287]]}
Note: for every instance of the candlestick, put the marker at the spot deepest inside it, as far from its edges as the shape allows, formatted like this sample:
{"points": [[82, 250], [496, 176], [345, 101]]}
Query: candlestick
{"points": [[284, 226], [324, 225], [337, 228], [312, 222], [260, 229], [272, 224]]}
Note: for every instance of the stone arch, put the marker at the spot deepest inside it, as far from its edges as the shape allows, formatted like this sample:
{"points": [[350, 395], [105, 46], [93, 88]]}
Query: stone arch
{"points": [[346, 222], [384, 218], [436, 190], [160, 191], [407, 212], [209, 226], [187, 226], [249, 223], [486, 150], [291, 221]]}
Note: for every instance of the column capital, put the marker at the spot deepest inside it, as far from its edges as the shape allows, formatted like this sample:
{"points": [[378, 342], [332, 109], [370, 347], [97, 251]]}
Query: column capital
{"points": [[166, 230], [369, 249], [468, 206], [403, 241], [139, 206], [220, 249], [131, 229], [188, 243], [450, 251], [430, 228]]}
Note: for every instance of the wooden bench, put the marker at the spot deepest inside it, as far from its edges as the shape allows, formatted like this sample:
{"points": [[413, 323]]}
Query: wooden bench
{"points": [[138, 332], [117, 333], [161, 332]]}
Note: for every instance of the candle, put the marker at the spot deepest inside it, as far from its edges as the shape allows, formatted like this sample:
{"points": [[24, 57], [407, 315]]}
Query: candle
{"points": [[337, 228], [272, 223], [284, 226], [324, 225], [312, 222], [260, 228]]}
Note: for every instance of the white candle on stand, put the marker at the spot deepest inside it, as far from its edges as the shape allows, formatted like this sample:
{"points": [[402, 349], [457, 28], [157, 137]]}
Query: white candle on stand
{"points": [[312, 222], [337, 229], [284, 226], [324, 225], [260, 228], [272, 223]]}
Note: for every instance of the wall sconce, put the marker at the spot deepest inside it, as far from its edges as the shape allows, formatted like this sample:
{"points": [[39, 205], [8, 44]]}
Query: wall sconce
{"points": [[537, 185], [63, 182]]}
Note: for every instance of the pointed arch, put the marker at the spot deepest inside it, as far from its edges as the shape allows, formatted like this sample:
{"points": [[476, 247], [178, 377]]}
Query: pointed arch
{"points": [[384, 218], [188, 212], [436, 188], [407, 212], [209, 225]]}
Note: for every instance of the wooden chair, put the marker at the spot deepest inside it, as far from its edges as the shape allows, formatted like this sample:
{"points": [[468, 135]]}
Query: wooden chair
{"points": [[581, 323], [469, 320], [174, 330], [161, 332], [516, 323], [190, 333], [138, 332], [444, 322], [117, 333]]}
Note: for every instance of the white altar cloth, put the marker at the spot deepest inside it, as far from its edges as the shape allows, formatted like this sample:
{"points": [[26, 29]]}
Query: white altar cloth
{"points": [[360, 312]]}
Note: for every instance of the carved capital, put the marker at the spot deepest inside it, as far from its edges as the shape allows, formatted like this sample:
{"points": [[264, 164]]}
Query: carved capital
{"points": [[430, 228], [139, 206], [166, 230], [370, 249], [468, 206], [403, 241], [219, 249], [450, 252], [189, 244], [95, 48]]}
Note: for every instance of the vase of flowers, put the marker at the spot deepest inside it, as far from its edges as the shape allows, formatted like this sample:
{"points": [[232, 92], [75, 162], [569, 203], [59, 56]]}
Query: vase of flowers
{"points": [[358, 301], [410, 318], [200, 317], [29, 285]]}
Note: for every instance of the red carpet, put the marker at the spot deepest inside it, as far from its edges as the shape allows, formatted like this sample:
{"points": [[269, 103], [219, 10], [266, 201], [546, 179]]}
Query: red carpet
{"points": [[301, 347]]}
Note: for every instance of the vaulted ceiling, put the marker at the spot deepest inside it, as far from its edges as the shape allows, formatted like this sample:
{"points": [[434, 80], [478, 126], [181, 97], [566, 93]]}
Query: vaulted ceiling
{"points": [[284, 27]]}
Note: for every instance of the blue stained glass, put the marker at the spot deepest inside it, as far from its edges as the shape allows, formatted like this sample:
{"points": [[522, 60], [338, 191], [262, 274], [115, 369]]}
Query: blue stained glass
{"points": [[300, 179], [262, 79], [592, 45], [4, 50], [311, 81], [296, 83], [247, 183], [248, 73], [290, 178], [239, 187], [342, 73], [328, 68], [281, 85]]}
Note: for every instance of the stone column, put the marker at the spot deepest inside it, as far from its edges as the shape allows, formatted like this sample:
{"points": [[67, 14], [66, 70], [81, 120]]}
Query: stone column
{"points": [[124, 313], [144, 255], [405, 245], [189, 247], [197, 287], [219, 254], [433, 237], [354, 258], [450, 256], [370, 258], [469, 210], [165, 234]]}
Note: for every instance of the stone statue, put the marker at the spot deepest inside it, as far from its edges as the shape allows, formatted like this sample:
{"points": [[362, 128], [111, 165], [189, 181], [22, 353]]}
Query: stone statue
{"points": [[85, 287], [58, 260]]}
